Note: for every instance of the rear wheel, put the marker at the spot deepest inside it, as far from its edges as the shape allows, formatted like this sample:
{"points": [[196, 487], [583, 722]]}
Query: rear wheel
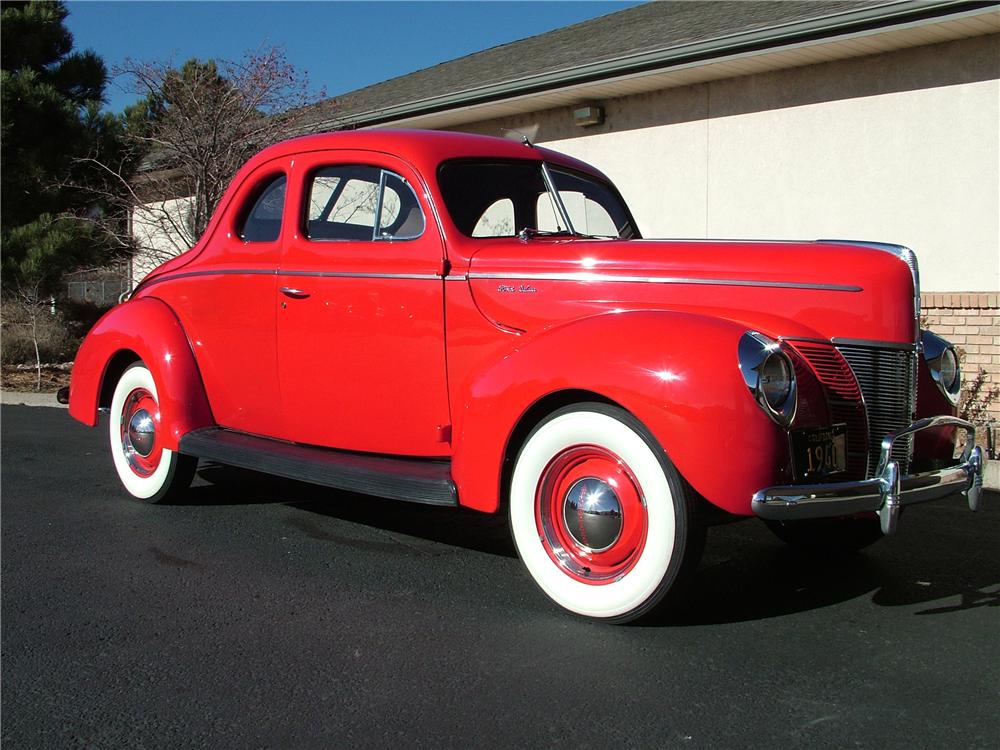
{"points": [[600, 517], [150, 472]]}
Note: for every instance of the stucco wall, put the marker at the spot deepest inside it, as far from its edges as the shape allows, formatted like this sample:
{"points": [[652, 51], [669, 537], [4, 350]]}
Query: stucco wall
{"points": [[898, 147], [160, 229]]}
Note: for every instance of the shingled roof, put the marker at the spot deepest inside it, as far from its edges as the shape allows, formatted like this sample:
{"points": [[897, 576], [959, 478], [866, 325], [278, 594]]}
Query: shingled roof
{"points": [[641, 38]]}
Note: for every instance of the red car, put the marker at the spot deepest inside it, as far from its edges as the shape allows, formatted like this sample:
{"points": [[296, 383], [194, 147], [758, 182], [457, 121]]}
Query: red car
{"points": [[461, 320]]}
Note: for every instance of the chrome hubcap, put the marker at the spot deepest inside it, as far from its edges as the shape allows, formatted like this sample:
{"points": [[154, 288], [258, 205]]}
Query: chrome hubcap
{"points": [[138, 432], [142, 432], [592, 513]]}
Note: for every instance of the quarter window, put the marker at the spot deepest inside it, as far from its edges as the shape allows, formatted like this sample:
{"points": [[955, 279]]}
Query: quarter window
{"points": [[344, 202], [263, 221]]}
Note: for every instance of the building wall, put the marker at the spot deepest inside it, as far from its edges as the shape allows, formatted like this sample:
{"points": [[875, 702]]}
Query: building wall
{"points": [[161, 229], [897, 147], [971, 322]]}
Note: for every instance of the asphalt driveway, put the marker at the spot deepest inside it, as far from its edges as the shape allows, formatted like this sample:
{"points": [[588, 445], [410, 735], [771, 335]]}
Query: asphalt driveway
{"points": [[266, 613]]}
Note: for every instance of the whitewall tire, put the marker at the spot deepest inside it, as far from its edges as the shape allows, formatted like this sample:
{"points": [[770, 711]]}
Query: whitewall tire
{"points": [[599, 515], [148, 471]]}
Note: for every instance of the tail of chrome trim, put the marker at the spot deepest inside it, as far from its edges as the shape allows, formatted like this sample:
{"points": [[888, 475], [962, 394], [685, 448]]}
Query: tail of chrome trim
{"points": [[587, 276], [906, 255], [887, 492]]}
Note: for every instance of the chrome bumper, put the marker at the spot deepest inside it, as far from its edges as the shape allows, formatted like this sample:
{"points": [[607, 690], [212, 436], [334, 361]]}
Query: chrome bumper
{"points": [[887, 492]]}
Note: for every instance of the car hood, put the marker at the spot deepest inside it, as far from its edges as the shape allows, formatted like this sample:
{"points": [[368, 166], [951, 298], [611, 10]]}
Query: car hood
{"points": [[792, 289]]}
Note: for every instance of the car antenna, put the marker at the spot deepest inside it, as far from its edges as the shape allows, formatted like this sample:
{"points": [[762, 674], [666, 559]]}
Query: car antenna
{"points": [[524, 139]]}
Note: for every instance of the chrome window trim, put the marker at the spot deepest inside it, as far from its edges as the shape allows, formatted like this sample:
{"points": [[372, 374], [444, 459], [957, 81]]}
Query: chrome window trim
{"points": [[378, 205], [588, 276], [376, 237], [550, 185]]}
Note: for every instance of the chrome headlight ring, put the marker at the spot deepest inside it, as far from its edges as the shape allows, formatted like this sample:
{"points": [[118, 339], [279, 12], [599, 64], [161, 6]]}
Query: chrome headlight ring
{"points": [[770, 376], [942, 361]]}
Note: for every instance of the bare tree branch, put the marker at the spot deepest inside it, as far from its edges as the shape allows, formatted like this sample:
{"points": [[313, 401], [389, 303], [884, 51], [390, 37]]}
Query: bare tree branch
{"points": [[205, 120]]}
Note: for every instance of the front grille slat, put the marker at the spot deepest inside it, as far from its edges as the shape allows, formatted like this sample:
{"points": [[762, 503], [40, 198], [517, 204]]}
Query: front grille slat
{"points": [[887, 378]]}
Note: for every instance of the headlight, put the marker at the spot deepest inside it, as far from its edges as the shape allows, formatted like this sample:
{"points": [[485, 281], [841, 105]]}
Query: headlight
{"points": [[776, 380], [943, 364], [769, 375]]}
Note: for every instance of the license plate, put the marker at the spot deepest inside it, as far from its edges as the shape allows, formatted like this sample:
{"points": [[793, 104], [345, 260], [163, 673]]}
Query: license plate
{"points": [[817, 453]]}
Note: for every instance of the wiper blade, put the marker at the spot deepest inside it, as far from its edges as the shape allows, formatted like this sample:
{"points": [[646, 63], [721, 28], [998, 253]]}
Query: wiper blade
{"points": [[528, 232]]}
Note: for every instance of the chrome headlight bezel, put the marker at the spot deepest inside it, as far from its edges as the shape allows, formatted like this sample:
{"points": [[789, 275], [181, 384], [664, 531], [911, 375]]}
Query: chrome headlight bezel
{"points": [[758, 358], [941, 358]]}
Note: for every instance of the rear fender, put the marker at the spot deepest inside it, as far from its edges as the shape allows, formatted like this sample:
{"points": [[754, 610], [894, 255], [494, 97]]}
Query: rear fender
{"points": [[676, 372], [148, 329]]}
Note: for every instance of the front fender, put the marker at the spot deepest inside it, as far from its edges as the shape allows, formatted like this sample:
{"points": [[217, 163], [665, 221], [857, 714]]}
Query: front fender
{"points": [[676, 372], [148, 328]]}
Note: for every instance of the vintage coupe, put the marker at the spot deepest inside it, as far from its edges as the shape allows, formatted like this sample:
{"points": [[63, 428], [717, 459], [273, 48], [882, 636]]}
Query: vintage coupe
{"points": [[470, 321]]}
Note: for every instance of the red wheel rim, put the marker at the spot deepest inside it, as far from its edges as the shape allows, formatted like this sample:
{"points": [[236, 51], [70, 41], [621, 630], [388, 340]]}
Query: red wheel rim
{"points": [[139, 429], [591, 514]]}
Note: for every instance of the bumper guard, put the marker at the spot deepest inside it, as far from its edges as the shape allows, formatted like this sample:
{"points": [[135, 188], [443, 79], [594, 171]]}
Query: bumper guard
{"points": [[887, 491]]}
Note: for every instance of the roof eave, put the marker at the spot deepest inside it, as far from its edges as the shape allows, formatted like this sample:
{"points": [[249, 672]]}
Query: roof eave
{"points": [[881, 17]]}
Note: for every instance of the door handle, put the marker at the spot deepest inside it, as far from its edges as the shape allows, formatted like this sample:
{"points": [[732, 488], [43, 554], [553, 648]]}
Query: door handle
{"points": [[292, 292]]}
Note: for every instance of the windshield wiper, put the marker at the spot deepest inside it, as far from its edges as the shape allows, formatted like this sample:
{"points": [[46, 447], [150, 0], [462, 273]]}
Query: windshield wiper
{"points": [[528, 232]]}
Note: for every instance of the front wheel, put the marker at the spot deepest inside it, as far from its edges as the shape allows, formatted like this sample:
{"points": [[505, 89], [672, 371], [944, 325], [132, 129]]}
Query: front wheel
{"points": [[599, 515], [150, 472]]}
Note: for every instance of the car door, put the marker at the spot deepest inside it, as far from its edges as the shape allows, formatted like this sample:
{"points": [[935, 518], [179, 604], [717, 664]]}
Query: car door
{"points": [[360, 309]]}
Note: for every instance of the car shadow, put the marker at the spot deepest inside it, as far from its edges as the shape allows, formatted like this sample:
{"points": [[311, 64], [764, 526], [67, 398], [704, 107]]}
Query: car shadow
{"points": [[746, 573], [943, 556], [456, 527]]}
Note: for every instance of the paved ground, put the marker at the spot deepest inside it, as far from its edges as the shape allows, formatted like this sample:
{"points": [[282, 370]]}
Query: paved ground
{"points": [[273, 614]]}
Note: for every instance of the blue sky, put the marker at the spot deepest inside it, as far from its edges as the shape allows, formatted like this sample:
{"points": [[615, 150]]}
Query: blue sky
{"points": [[341, 45]]}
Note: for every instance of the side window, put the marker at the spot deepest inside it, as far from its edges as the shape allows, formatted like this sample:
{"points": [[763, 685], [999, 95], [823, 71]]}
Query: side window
{"points": [[497, 220], [344, 200], [401, 218], [263, 221], [588, 216]]}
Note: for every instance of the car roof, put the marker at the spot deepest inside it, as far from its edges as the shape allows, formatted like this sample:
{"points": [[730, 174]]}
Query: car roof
{"points": [[424, 149]]}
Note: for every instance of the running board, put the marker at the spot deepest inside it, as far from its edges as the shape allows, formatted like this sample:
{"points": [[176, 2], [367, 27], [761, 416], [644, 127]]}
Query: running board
{"points": [[418, 480]]}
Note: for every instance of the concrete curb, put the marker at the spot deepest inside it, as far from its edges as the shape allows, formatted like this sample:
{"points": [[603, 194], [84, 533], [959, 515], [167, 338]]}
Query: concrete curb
{"points": [[30, 399], [991, 476]]}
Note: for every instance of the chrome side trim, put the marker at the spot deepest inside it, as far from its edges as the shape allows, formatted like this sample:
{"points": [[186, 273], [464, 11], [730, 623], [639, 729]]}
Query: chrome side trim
{"points": [[351, 275], [218, 272], [591, 276], [319, 274], [887, 492]]}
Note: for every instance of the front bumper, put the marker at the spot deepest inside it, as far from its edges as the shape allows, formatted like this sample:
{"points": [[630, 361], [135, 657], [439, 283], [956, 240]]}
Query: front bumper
{"points": [[884, 494]]}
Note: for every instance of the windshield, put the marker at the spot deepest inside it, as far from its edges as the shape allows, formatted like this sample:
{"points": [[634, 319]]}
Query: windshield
{"points": [[510, 198]]}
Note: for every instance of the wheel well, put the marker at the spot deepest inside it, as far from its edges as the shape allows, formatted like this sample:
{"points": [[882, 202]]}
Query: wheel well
{"points": [[530, 419], [118, 364]]}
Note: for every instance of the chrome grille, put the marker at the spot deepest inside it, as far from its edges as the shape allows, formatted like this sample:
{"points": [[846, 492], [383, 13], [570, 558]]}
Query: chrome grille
{"points": [[887, 378], [843, 397]]}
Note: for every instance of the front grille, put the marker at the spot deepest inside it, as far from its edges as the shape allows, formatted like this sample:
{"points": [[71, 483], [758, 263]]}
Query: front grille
{"points": [[887, 378], [843, 396]]}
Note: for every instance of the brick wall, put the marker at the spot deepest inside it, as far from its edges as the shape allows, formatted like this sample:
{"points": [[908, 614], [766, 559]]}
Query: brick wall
{"points": [[971, 321]]}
